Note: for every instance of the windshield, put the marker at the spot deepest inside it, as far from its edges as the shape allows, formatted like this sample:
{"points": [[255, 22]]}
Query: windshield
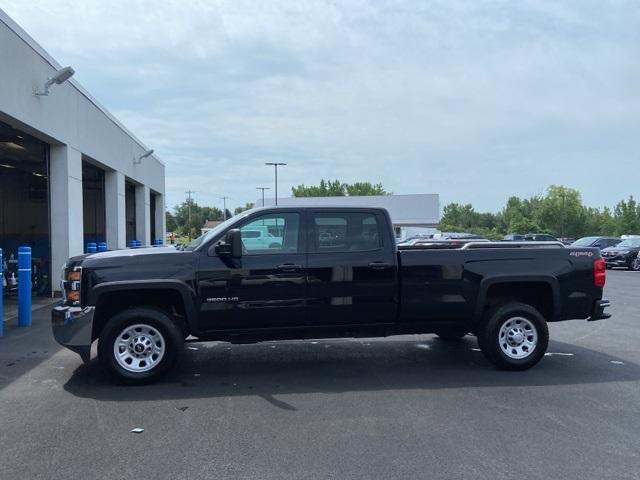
{"points": [[629, 243], [202, 239], [584, 242]]}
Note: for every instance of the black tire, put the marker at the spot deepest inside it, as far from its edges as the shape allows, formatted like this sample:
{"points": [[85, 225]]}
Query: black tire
{"points": [[635, 265], [491, 343], [450, 335], [170, 337]]}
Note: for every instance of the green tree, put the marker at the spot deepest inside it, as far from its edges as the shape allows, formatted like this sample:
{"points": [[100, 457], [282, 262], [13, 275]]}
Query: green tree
{"points": [[335, 188], [189, 217], [360, 189], [326, 188], [626, 216], [170, 221], [562, 212], [240, 209], [559, 212], [459, 217]]}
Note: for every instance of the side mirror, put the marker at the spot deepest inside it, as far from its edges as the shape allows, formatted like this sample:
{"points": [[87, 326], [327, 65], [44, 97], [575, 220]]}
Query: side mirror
{"points": [[231, 246]]}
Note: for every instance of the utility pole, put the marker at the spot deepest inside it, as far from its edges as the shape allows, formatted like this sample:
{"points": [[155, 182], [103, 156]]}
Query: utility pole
{"points": [[276, 164], [562, 216], [263, 189], [189, 192], [224, 208]]}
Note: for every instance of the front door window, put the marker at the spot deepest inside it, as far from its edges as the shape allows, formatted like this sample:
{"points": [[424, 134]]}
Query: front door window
{"points": [[271, 234]]}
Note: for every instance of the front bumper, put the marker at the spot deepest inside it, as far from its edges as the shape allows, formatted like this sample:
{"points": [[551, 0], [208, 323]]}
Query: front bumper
{"points": [[617, 261], [72, 328], [598, 312]]}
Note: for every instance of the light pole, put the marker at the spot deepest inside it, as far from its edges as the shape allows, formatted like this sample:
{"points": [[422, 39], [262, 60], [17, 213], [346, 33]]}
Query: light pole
{"points": [[189, 192], [224, 208], [263, 189], [275, 165]]}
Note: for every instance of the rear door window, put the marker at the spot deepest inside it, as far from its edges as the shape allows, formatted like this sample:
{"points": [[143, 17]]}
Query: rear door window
{"points": [[344, 232]]}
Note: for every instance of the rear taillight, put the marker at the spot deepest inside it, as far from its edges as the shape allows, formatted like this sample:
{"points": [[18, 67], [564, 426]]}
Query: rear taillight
{"points": [[599, 272]]}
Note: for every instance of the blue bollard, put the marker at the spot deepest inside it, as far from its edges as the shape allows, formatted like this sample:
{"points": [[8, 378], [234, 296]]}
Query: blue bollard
{"points": [[1, 293], [102, 246], [91, 247], [24, 286]]}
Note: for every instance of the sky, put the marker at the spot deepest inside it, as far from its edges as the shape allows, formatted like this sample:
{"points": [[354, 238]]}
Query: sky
{"points": [[474, 100]]}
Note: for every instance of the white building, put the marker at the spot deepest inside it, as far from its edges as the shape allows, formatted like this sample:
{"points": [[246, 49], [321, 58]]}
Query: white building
{"points": [[70, 172], [410, 214]]}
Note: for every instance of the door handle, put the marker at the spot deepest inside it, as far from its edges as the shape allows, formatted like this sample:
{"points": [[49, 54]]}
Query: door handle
{"points": [[289, 267], [379, 265]]}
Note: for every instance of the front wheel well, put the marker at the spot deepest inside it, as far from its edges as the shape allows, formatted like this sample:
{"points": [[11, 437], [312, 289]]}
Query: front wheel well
{"points": [[167, 300], [535, 293]]}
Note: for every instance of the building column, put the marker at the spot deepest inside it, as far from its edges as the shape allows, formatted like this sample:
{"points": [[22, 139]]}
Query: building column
{"points": [[161, 228], [65, 185], [143, 214], [114, 199]]}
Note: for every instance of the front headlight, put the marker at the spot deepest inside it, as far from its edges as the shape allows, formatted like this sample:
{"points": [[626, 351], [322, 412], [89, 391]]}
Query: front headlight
{"points": [[70, 284]]}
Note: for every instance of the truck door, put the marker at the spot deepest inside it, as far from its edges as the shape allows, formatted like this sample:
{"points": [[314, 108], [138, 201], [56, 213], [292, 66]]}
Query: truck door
{"points": [[351, 268], [266, 287]]}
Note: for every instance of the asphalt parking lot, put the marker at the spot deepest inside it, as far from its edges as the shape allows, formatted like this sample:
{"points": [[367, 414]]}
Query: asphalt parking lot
{"points": [[404, 407]]}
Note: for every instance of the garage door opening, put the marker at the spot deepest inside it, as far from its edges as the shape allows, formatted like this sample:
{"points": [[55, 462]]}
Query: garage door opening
{"points": [[93, 203], [130, 211], [24, 206], [153, 198]]}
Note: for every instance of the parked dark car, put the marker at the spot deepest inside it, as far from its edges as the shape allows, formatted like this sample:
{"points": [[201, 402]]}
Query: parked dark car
{"points": [[463, 236], [623, 254], [415, 239], [540, 237], [513, 237], [598, 242], [447, 240], [143, 304]]}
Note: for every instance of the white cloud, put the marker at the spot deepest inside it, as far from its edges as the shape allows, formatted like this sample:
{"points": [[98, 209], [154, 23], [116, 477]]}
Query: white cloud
{"points": [[473, 100]]}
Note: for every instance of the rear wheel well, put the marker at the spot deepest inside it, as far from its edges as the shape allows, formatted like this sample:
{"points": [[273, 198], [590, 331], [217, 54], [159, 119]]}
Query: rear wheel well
{"points": [[537, 294], [167, 300]]}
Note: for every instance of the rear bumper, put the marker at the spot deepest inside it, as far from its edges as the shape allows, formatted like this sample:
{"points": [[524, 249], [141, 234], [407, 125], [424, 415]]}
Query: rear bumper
{"points": [[598, 312], [72, 328]]}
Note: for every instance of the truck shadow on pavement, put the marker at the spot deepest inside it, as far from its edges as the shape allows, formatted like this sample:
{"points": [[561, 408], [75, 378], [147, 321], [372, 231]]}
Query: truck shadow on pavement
{"points": [[334, 366]]}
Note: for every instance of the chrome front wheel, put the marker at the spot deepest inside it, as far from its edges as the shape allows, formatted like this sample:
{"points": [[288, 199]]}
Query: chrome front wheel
{"points": [[140, 344], [139, 348]]}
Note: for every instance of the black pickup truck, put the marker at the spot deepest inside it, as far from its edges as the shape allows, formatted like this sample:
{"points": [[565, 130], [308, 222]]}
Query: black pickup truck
{"points": [[298, 273]]}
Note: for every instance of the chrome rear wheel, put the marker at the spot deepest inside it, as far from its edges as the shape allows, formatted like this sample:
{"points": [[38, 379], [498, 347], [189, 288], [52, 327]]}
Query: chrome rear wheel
{"points": [[513, 336], [518, 338]]}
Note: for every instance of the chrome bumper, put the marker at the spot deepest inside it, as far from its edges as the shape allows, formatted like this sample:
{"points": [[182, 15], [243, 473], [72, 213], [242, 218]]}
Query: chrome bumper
{"points": [[72, 328]]}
